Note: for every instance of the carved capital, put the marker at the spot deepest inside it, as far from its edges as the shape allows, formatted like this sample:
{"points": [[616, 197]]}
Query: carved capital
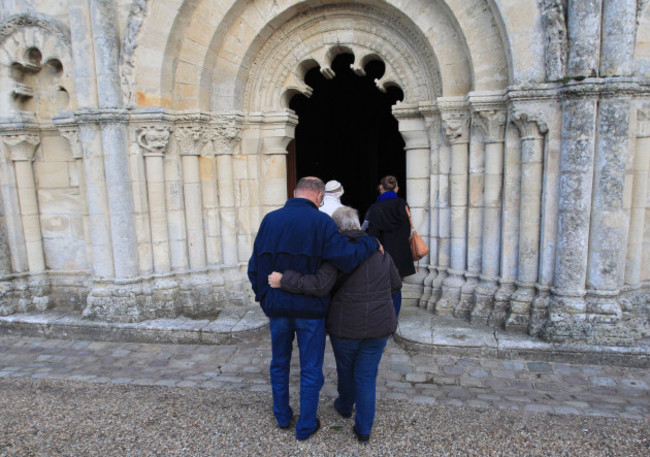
{"points": [[191, 139], [225, 133], [456, 124], [72, 135], [153, 139], [491, 124], [643, 123], [529, 126], [21, 146]]}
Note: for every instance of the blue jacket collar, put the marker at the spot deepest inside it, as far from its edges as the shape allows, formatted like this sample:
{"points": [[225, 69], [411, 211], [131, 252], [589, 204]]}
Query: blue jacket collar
{"points": [[300, 202], [388, 195]]}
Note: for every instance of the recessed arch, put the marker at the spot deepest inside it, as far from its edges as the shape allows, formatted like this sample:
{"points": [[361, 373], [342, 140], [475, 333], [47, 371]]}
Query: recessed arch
{"points": [[326, 32]]}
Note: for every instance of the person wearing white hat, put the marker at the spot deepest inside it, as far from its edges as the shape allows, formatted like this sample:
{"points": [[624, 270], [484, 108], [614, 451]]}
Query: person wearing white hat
{"points": [[332, 199]]}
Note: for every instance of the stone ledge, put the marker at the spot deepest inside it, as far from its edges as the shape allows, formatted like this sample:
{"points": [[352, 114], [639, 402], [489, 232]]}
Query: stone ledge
{"points": [[229, 327], [421, 331]]}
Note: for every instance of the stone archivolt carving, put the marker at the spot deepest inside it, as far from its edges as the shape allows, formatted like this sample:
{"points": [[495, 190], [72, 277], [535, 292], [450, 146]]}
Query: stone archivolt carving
{"points": [[20, 21], [319, 36]]}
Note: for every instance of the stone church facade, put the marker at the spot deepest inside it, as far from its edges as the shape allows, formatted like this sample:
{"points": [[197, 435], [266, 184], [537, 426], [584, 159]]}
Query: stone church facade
{"points": [[142, 142]]}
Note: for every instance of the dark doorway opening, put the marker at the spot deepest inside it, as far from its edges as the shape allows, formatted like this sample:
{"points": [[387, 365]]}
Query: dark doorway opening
{"points": [[346, 131]]}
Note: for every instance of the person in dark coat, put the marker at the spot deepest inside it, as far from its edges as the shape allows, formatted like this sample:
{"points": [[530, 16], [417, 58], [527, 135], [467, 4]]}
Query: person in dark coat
{"points": [[300, 237], [388, 221], [360, 320]]}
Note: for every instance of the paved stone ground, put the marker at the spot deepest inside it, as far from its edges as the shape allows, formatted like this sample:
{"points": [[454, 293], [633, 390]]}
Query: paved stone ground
{"points": [[474, 382]]}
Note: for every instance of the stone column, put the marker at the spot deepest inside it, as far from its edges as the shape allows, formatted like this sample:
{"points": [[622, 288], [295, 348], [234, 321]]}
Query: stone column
{"points": [[606, 231], [413, 129], [492, 125], [191, 140], [278, 129], [225, 137], [153, 140], [228, 215], [531, 132], [456, 123], [71, 133], [567, 307], [113, 120], [639, 201], [96, 197], [509, 250], [618, 37], [21, 147], [584, 22], [434, 125]]}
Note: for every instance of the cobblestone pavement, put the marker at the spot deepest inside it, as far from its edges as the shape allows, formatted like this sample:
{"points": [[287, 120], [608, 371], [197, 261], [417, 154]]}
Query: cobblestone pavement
{"points": [[545, 387]]}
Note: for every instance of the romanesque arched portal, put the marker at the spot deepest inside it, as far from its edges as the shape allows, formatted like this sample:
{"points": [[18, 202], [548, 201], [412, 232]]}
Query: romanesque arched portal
{"points": [[145, 143]]}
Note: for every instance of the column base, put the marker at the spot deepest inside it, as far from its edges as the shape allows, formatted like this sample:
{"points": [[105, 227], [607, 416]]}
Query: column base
{"points": [[450, 294], [436, 289], [539, 312], [426, 293], [26, 294], [466, 303], [520, 303], [483, 301], [195, 295], [499, 313]]}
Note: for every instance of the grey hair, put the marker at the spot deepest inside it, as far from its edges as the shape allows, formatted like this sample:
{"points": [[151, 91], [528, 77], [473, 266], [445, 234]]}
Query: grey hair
{"points": [[311, 184], [346, 218]]}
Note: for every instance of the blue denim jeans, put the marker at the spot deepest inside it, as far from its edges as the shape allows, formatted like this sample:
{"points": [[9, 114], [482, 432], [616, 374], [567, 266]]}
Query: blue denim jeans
{"points": [[357, 362], [311, 345]]}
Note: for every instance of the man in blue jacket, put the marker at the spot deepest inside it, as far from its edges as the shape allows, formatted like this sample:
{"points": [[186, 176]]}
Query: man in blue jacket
{"points": [[299, 237]]}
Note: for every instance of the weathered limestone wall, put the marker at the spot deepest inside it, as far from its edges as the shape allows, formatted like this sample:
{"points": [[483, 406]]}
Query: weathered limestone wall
{"points": [[143, 141]]}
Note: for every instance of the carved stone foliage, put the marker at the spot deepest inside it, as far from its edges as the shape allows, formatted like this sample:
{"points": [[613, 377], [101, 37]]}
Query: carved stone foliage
{"points": [[191, 138], [225, 133], [529, 126], [555, 31], [72, 135], [491, 124], [21, 146]]}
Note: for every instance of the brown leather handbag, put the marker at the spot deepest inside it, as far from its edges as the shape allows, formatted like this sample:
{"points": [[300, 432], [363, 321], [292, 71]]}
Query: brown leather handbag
{"points": [[418, 247]]}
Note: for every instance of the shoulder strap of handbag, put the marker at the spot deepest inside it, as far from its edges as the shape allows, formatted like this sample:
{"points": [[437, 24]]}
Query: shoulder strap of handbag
{"points": [[408, 213]]}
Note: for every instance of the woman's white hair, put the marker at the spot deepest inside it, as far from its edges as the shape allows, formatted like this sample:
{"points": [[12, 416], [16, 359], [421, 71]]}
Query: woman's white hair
{"points": [[346, 218]]}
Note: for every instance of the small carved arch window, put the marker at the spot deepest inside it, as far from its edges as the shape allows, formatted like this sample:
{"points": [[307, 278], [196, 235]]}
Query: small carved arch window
{"points": [[37, 85]]}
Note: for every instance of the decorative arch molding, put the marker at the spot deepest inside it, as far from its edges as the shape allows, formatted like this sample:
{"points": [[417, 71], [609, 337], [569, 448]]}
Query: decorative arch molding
{"points": [[20, 21], [316, 38], [207, 49]]}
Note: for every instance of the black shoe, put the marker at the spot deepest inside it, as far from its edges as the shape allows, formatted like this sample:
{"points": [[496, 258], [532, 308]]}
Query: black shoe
{"points": [[288, 426], [345, 416], [314, 431], [361, 438]]}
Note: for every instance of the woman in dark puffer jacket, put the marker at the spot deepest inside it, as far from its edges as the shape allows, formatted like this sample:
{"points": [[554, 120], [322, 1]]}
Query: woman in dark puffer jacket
{"points": [[360, 320]]}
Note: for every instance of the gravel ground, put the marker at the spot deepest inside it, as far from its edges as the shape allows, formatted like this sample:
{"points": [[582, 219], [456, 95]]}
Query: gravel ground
{"points": [[65, 418]]}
